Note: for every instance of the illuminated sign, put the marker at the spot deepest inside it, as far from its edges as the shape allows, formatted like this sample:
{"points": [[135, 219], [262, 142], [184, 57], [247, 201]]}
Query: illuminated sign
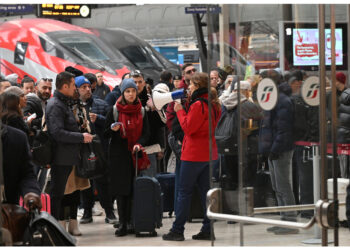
{"points": [[65, 10]]}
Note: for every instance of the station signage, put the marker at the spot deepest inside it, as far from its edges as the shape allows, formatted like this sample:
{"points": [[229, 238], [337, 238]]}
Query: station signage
{"points": [[16, 8], [310, 91], [202, 10], [267, 94], [65, 10]]}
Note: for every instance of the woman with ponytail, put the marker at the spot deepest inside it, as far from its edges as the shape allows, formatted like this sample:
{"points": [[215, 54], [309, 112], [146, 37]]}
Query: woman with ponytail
{"points": [[127, 137], [194, 170]]}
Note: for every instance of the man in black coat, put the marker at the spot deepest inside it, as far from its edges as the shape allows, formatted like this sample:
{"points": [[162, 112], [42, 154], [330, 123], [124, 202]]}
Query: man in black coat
{"points": [[18, 172], [101, 89], [97, 110], [63, 128]]}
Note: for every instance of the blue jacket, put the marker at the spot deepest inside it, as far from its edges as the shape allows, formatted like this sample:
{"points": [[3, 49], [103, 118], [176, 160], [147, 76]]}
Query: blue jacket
{"points": [[276, 129], [112, 97]]}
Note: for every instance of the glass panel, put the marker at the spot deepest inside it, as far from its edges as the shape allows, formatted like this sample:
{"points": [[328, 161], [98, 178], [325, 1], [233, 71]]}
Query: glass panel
{"points": [[279, 126]]}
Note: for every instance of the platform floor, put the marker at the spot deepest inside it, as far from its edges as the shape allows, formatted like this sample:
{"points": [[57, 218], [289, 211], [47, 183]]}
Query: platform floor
{"points": [[99, 233]]}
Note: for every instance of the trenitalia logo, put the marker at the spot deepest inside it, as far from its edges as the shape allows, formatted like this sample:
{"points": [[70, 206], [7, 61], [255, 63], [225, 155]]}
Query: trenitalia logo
{"points": [[312, 92], [265, 97]]}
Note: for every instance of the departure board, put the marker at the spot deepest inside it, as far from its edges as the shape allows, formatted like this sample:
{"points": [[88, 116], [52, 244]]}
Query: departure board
{"points": [[65, 10]]}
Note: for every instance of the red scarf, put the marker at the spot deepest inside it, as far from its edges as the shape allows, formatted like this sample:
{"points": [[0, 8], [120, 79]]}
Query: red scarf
{"points": [[131, 117]]}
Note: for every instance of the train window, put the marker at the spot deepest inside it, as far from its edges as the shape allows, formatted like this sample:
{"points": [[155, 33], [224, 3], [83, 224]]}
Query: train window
{"points": [[84, 47], [137, 55], [51, 48], [20, 52]]}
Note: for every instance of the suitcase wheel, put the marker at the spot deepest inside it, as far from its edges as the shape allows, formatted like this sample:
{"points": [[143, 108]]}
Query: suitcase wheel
{"points": [[153, 234]]}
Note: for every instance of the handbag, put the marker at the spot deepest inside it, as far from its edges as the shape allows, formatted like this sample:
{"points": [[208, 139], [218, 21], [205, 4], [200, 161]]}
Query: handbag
{"points": [[93, 163], [42, 146], [141, 160]]}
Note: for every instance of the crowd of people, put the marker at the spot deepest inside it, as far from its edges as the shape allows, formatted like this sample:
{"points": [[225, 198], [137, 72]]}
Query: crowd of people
{"points": [[126, 121]]}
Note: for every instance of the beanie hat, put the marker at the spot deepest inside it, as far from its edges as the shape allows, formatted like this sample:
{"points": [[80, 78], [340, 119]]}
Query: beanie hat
{"points": [[245, 85], [127, 83], [161, 87], [80, 80], [12, 78], [14, 90], [340, 76]]}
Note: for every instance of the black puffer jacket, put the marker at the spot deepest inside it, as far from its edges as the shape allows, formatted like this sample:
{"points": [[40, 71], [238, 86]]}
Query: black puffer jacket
{"points": [[344, 117], [64, 129], [34, 106]]}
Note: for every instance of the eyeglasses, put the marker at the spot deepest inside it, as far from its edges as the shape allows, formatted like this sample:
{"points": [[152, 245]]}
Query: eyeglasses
{"points": [[190, 71], [47, 79]]}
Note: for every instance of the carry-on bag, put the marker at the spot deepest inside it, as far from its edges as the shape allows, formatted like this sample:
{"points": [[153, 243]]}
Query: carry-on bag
{"points": [[44, 230], [167, 184], [147, 206]]}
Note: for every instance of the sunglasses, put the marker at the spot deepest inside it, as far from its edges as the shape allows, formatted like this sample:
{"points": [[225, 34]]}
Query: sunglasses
{"points": [[190, 71], [47, 79], [136, 73]]}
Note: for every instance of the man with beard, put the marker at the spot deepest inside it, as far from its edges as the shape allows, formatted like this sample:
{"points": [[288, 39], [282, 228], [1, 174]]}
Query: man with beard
{"points": [[36, 103]]}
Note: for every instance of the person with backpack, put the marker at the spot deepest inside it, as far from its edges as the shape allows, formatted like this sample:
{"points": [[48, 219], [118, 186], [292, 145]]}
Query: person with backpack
{"points": [[195, 154], [128, 129], [226, 133]]}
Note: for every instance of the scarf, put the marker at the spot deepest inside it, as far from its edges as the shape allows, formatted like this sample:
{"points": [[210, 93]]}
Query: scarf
{"points": [[131, 118]]}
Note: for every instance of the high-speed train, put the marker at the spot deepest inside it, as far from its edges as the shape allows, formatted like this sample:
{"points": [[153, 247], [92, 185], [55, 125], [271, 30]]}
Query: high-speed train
{"points": [[44, 47]]}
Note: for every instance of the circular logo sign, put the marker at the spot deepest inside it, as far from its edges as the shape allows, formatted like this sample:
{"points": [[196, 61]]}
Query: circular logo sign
{"points": [[84, 11], [267, 94], [310, 91]]}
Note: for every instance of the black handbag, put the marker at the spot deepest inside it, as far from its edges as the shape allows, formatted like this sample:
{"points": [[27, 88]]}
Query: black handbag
{"points": [[42, 147], [93, 163]]}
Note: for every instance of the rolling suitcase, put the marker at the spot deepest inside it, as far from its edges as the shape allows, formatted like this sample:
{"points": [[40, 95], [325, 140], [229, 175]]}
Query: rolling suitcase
{"points": [[147, 206], [45, 202], [167, 184]]}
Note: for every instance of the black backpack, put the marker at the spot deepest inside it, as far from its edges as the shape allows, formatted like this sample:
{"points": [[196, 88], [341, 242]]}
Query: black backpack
{"points": [[226, 133]]}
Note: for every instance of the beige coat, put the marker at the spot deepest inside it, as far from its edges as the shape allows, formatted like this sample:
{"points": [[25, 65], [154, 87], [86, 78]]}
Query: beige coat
{"points": [[75, 183]]}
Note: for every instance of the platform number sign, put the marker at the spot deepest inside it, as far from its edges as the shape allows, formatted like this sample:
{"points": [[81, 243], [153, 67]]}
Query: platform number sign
{"points": [[310, 91], [267, 94]]}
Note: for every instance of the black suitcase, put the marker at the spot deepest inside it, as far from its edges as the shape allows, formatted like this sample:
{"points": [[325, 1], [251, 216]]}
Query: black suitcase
{"points": [[44, 230], [167, 184], [196, 211], [147, 205]]}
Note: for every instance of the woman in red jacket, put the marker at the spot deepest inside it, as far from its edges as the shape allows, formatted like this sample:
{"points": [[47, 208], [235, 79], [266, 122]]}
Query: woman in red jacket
{"points": [[195, 154]]}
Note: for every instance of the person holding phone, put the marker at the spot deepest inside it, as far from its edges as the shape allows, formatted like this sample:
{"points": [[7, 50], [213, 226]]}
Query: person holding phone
{"points": [[127, 134]]}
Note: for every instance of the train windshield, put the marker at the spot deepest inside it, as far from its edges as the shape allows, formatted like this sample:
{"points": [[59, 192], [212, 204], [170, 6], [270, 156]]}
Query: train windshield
{"points": [[84, 47]]}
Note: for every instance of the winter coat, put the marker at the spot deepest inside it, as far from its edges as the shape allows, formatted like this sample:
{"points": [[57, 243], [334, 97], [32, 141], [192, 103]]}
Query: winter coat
{"points": [[63, 128], [101, 91], [113, 96], [276, 129], [195, 124], [18, 170], [343, 133], [17, 122], [121, 166], [34, 105]]}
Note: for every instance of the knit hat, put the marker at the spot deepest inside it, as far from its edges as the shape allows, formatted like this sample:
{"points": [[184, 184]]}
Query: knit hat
{"points": [[161, 87], [80, 80], [14, 90], [245, 85], [127, 83], [12, 78], [340, 76]]}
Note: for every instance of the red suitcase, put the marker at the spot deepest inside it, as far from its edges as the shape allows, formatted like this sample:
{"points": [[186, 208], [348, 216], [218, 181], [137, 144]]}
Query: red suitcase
{"points": [[45, 201]]}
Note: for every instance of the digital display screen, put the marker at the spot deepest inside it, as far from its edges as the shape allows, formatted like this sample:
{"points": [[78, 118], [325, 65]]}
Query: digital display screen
{"points": [[65, 10], [306, 49]]}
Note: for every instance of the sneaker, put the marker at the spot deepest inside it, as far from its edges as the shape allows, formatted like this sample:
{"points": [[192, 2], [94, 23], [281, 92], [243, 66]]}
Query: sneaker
{"points": [[202, 236], [80, 212], [283, 231], [272, 229], [172, 236], [96, 212], [110, 217], [87, 217]]}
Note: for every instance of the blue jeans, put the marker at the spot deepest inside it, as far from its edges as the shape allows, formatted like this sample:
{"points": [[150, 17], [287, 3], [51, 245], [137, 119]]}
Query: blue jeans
{"points": [[281, 179], [191, 174]]}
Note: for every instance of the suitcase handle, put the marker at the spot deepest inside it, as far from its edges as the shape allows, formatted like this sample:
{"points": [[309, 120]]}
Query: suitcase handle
{"points": [[136, 161]]}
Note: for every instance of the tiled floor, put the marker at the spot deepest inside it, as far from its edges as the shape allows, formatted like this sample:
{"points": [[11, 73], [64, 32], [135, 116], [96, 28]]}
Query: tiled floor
{"points": [[99, 233]]}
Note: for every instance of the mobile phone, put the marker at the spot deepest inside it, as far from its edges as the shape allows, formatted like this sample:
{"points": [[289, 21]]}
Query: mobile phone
{"points": [[32, 116], [115, 124]]}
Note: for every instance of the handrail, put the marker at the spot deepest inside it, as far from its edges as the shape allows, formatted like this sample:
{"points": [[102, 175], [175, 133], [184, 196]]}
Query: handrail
{"points": [[261, 210], [213, 198]]}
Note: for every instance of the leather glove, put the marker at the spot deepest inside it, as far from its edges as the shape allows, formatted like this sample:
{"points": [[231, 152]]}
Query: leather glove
{"points": [[273, 156], [32, 201]]}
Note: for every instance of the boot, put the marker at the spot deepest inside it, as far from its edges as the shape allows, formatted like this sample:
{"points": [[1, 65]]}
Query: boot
{"points": [[63, 223], [87, 216], [73, 228], [121, 231]]}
